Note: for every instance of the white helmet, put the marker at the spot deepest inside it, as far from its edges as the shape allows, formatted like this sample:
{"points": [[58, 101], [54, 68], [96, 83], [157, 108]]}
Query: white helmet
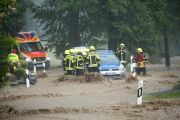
{"points": [[122, 45]]}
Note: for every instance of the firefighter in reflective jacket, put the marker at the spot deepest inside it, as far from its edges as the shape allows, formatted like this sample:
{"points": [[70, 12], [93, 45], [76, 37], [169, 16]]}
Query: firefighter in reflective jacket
{"points": [[140, 59], [69, 63], [93, 60], [84, 54], [66, 52], [123, 54], [79, 64], [13, 62]]}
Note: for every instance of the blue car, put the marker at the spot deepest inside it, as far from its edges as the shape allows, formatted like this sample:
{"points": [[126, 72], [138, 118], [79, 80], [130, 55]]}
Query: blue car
{"points": [[110, 65]]}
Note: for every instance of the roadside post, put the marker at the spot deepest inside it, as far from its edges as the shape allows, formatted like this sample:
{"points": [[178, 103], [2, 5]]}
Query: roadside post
{"points": [[44, 70], [134, 71], [133, 66], [27, 78], [35, 66], [131, 58], [140, 92]]}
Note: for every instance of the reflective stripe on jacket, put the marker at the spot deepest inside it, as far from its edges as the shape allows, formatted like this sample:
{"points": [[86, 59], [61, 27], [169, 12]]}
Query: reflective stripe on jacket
{"points": [[79, 62], [93, 59], [69, 62]]}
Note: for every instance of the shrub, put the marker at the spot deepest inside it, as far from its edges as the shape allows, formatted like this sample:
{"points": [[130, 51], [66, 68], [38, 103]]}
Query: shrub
{"points": [[19, 73], [6, 43]]}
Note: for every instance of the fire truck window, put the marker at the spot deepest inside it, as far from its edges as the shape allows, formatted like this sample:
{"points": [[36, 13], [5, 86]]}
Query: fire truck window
{"points": [[31, 47]]}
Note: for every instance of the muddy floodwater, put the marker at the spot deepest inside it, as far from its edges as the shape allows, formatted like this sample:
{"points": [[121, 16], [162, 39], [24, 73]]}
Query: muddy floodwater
{"points": [[107, 99]]}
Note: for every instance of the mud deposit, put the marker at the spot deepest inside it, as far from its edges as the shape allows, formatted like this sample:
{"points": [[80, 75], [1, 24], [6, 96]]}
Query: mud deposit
{"points": [[91, 97]]}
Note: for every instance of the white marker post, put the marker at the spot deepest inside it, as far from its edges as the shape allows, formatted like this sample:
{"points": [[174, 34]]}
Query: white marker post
{"points": [[134, 70], [133, 66], [35, 66], [131, 58], [27, 78], [140, 92], [44, 70]]}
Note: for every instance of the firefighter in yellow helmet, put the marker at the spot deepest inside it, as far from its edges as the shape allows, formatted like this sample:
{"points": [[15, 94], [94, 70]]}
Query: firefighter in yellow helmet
{"points": [[93, 60], [85, 54], [140, 59], [69, 63], [13, 60], [16, 65], [123, 54], [66, 52], [79, 63]]}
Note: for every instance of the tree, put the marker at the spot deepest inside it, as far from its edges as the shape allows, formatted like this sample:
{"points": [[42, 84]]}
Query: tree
{"points": [[6, 42], [5, 7], [10, 14], [130, 22], [166, 16], [66, 23], [72, 23], [15, 20]]}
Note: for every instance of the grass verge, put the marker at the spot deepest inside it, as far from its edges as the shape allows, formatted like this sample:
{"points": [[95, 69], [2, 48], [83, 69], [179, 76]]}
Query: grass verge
{"points": [[166, 95], [174, 93]]}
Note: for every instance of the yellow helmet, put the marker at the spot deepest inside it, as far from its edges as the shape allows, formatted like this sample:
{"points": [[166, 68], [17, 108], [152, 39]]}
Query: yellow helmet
{"points": [[92, 48], [139, 50], [84, 53], [66, 52], [71, 51]]}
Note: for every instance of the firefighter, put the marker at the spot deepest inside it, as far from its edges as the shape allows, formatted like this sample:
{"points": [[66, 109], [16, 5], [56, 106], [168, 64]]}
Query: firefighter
{"points": [[66, 52], [13, 62], [79, 64], [16, 66], [69, 63], [122, 54], [84, 54], [93, 60], [140, 59]]}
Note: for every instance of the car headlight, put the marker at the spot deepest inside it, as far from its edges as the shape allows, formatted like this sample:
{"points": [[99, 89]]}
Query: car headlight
{"points": [[47, 58], [28, 59]]}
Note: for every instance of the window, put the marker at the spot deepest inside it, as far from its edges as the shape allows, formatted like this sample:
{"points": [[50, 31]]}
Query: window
{"points": [[31, 47], [109, 58]]}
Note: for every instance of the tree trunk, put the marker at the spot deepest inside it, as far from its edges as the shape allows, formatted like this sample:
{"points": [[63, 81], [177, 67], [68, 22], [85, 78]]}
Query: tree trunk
{"points": [[74, 34], [111, 37], [166, 46], [111, 32], [111, 43]]}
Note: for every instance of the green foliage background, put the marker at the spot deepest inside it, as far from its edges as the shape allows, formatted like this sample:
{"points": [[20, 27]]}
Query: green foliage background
{"points": [[12, 14], [5, 47], [139, 23], [150, 24]]}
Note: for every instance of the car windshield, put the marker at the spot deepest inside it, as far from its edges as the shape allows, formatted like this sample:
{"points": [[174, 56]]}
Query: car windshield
{"points": [[31, 47], [109, 59]]}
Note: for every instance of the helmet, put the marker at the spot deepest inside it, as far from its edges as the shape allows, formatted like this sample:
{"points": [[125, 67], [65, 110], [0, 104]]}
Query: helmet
{"points": [[71, 51], [84, 53], [122, 45], [66, 52], [92, 48], [139, 50]]}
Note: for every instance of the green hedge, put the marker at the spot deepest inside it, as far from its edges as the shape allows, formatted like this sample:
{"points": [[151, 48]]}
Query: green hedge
{"points": [[6, 43]]}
